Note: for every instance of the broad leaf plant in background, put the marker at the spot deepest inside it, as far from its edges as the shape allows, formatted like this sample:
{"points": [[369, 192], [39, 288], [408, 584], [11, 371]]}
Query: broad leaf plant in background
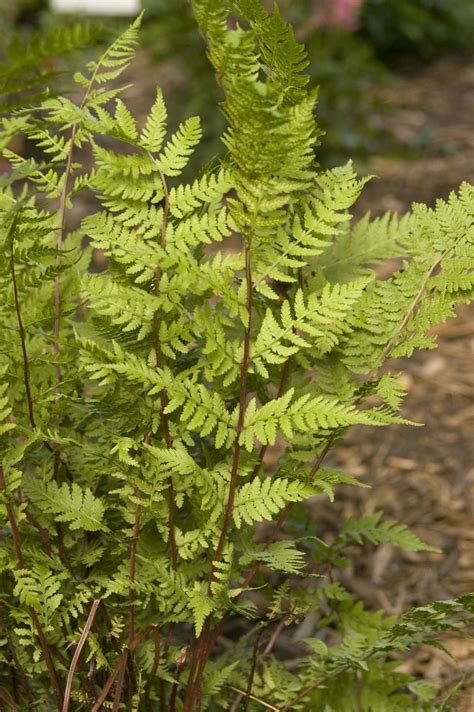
{"points": [[239, 312]]}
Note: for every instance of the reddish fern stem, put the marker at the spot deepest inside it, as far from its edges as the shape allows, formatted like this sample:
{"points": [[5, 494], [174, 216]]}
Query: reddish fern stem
{"points": [[26, 366], [240, 421], [204, 643], [121, 663], [268, 648], [132, 574], [77, 654], [281, 388], [169, 443], [167, 435], [275, 635], [17, 667], [166, 432], [9, 701], [108, 685], [285, 512], [46, 539], [21, 328], [13, 522], [253, 668], [59, 246], [44, 534], [203, 650], [62, 225], [159, 359], [21, 565], [120, 681], [174, 693], [195, 652], [212, 639], [155, 665], [131, 595]]}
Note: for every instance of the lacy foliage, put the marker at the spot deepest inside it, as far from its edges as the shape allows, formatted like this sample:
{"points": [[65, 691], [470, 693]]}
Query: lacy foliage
{"points": [[240, 311]]}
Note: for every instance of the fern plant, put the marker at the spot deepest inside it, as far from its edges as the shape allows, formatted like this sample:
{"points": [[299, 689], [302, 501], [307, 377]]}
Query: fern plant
{"points": [[239, 312]]}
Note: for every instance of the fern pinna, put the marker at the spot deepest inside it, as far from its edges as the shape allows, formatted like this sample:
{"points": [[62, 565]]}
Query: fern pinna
{"points": [[238, 312]]}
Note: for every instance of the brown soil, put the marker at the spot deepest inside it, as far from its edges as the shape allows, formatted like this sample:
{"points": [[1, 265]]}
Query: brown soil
{"points": [[435, 110]]}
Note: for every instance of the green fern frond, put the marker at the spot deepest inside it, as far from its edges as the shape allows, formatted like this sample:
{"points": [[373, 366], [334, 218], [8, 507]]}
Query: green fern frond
{"points": [[285, 59], [72, 504], [211, 188], [326, 479], [5, 408], [39, 589], [378, 531], [261, 499], [115, 59], [279, 556], [201, 605], [305, 414], [154, 130], [238, 309], [202, 411], [177, 151], [318, 323]]}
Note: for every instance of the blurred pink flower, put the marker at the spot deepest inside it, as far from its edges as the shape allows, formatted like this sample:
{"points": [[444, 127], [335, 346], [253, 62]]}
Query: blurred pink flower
{"points": [[342, 13]]}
